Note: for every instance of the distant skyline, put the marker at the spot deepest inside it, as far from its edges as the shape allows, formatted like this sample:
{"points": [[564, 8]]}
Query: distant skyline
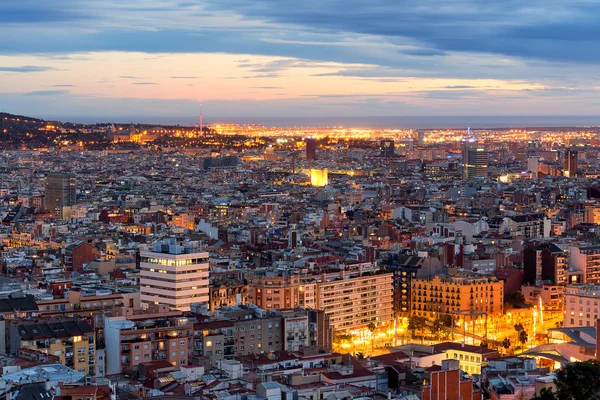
{"points": [[265, 59], [380, 122]]}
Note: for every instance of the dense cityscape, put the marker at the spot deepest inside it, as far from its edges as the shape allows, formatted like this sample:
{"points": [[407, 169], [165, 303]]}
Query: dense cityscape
{"points": [[241, 261], [299, 200]]}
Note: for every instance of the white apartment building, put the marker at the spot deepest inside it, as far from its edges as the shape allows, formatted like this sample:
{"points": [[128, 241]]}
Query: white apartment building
{"points": [[582, 303], [175, 274]]}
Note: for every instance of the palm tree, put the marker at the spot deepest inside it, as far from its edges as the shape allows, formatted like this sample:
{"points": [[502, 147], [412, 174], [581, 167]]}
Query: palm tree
{"points": [[371, 327], [523, 337], [506, 344]]}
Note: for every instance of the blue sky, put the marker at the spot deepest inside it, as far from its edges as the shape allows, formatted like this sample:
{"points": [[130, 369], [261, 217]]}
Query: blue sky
{"points": [[262, 58]]}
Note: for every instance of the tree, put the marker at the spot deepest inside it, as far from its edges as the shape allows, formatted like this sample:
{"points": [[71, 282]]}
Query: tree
{"points": [[506, 343], [416, 323], [359, 355], [514, 299], [442, 320], [576, 381], [523, 337], [545, 394], [371, 327]]}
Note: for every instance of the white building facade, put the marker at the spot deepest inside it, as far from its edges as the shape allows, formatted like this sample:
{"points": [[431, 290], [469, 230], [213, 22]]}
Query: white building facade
{"points": [[175, 274]]}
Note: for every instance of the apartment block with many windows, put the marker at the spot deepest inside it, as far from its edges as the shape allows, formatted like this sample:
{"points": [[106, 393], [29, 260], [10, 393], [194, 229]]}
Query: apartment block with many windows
{"points": [[174, 273], [136, 336], [582, 305], [71, 340], [445, 294]]}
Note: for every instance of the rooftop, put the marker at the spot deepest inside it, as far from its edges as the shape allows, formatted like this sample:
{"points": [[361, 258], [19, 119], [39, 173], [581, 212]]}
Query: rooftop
{"points": [[55, 373]]}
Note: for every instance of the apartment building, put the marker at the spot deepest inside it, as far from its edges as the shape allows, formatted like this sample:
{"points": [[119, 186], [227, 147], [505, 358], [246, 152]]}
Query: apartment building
{"points": [[354, 297], [449, 384], [295, 330], [545, 262], [84, 303], [470, 358], [225, 293], [273, 291], [133, 337], [174, 273], [248, 330], [582, 303], [239, 331], [72, 340], [445, 294], [77, 254], [550, 296], [584, 263], [215, 340], [529, 226], [405, 269]]}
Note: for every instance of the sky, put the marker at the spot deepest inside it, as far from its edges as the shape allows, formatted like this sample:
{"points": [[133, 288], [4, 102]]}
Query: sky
{"points": [[114, 59]]}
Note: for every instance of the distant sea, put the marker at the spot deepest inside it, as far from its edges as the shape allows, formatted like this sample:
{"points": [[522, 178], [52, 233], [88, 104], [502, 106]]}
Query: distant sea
{"points": [[434, 122]]}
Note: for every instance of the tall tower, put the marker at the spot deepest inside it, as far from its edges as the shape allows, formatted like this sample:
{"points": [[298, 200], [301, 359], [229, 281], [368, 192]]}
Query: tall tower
{"points": [[311, 148], [570, 170], [60, 192], [532, 165], [386, 146], [475, 162]]}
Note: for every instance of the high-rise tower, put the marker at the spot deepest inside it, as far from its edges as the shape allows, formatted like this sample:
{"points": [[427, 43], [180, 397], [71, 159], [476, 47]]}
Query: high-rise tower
{"points": [[60, 192], [386, 146], [311, 148], [570, 170], [475, 162]]}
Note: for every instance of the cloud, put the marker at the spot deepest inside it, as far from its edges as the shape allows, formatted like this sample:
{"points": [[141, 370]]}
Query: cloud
{"points": [[257, 76], [26, 69], [63, 85], [546, 29], [553, 30], [460, 87], [36, 12], [47, 93], [267, 87], [545, 43], [423, 52]]}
